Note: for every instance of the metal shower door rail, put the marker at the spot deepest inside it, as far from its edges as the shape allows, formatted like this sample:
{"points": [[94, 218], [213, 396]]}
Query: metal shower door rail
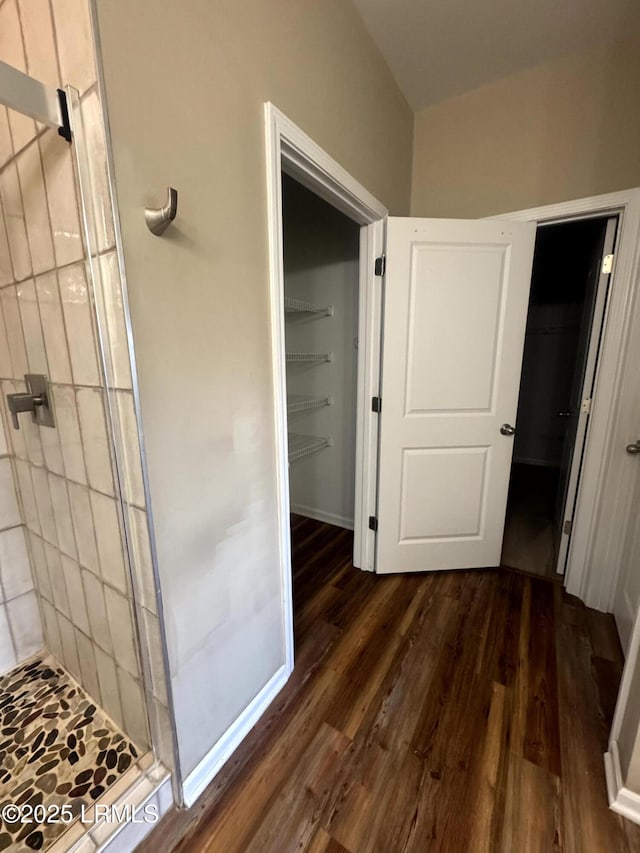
{"points": [[26, 95]]}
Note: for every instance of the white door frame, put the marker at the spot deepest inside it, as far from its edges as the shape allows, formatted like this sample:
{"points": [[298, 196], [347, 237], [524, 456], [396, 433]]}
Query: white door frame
{"points": [[606, 484], [623, 800], [290, 150]]}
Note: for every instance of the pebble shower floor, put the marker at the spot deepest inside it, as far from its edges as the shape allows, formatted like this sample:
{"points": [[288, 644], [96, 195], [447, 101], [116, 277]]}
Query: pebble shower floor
{"points": [[56, 749]]}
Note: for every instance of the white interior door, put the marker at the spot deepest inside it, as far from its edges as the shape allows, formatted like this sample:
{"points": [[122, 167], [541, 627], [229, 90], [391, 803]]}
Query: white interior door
{"points": [[580, 403], [455, 308]]}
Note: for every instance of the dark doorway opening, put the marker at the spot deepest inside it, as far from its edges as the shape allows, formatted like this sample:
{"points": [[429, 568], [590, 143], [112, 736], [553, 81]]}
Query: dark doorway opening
{"points": [[564, 326]]}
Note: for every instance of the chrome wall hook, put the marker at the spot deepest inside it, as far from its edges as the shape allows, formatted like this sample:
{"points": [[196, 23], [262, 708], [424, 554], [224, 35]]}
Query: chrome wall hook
{"points": [[158, 218]]}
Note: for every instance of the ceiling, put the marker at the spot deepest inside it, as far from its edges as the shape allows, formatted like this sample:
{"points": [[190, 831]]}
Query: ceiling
{"points": [[440, 48]]}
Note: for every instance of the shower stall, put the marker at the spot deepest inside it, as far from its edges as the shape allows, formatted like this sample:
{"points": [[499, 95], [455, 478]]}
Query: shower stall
{"points": [[84, 705]]}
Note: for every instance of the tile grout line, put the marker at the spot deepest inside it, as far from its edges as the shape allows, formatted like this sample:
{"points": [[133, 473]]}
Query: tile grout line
{"points": [[120, 389], [56, 269]]}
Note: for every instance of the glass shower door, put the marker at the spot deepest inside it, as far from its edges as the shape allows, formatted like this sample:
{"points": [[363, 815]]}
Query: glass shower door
{"points": [[79, 700]]}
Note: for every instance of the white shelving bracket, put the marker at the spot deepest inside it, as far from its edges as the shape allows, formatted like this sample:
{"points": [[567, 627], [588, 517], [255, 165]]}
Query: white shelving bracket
{"points": [[309, 357], [304, 445], [301, 306], [305, 403]]}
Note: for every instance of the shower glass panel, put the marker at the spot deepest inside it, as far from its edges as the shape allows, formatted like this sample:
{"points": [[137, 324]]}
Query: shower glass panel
{"points": [[75, 690]]}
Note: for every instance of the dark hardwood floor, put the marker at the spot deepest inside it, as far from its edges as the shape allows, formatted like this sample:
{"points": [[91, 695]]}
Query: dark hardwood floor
{"points": [[456, 711]]}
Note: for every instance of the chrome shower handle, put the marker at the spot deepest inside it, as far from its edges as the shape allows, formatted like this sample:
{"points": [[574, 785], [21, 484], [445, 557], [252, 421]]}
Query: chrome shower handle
{"points": [[34, 400], [24, 402]]}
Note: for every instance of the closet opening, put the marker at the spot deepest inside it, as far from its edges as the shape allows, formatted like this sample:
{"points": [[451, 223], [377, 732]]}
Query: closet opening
{"points": [[567, 302], [321, 248]]}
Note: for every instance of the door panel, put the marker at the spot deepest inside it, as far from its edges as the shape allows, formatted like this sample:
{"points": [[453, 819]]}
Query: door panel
{"points": [[455, 308], [456, 508], [584, 380], [467, 384]]}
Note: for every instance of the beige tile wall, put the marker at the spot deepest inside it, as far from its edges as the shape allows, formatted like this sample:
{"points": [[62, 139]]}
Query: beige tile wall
{"points": [[20, 625], [65, 476]]}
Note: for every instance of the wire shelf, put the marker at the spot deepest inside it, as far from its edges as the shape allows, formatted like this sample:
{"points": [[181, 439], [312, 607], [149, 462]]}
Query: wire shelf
{"points": [[304, 403], [304, 445], [300, 306], [309, 356]]}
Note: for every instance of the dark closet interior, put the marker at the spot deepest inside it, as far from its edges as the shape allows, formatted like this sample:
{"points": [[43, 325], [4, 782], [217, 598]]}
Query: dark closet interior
{"points": [[321, 249]]}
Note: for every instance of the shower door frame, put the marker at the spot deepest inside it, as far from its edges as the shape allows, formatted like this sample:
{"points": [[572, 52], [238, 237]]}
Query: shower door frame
{"points": [[61, 108], [29, 96]]}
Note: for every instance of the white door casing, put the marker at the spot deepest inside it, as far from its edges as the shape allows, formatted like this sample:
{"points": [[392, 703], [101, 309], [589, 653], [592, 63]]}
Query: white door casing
{"points": [[605, 492], [288, 149], [625, 605], [455, 307]]}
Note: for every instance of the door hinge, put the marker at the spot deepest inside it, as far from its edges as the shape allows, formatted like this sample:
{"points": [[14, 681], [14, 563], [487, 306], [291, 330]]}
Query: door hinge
{"points": [[585, 408], [373, 523], [381, 265], [567, 526], [376, 405], [607, 264]]}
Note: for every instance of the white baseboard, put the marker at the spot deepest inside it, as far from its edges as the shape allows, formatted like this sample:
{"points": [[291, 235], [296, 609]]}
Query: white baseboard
{"points": [[622, 800], [220, 752], [321, 515]]}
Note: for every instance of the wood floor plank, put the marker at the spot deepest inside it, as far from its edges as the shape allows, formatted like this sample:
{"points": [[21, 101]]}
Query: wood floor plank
{"points": [[322, 842], [606, 675], [532, 815], [542, 737], [354, 813], [292, 820], [455, 711], [487, 794], [362, 625], [377, 809], [588, 823], [603, 636], [369, 664], [452, 733], [239, 817], [498, 647], [313, 610], [357, 811]]}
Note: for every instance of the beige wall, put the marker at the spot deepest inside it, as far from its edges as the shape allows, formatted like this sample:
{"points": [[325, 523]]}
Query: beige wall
{"points": [[564, 130], [185, 99]]}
